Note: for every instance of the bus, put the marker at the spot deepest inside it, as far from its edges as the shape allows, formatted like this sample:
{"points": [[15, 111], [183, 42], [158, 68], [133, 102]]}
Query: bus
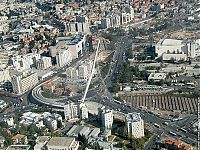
{"points": [[117, 102], [172, 133], [183, 130], [156, 125], [165, 123]]}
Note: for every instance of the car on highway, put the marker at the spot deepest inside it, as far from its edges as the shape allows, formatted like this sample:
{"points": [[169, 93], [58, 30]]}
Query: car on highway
{"points": [[156, 125], [165, 123], [183, 130], [172, 133]]}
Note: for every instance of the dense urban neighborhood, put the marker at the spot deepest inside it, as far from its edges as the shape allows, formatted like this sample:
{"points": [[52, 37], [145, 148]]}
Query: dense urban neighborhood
{"points": [[99, 74]]}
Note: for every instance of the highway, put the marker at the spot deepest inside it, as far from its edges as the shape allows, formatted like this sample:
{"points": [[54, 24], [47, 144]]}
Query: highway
{"points": [[106, 99]]}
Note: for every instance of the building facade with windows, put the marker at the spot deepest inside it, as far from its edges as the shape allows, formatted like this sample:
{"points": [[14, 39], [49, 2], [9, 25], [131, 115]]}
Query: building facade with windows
{"points": [[135, 125], [106, 117]]}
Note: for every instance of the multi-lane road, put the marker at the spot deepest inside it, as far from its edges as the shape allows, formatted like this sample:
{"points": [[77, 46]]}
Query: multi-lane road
{"points": [[107, 100]]}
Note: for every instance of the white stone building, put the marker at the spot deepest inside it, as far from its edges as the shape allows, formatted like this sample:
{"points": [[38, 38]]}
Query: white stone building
{"points": [[62, 143], [83, 111], [70, 111], [75, 111], [63, 57], [74, 27], [3, 58], [83, 72], [24, 62], [74, 43], [4, 75], [157, 77], [135, 125], [22, 83], [190, 48], [176, 57], [72, 73], [51, 123], [106, 117], [44, 63], [4, 24], [170, 46]]}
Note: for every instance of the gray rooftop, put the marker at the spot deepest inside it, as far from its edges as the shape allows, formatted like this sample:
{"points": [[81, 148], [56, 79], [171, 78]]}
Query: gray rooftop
{"points": [[18, 147], [60, 141], [83, 130], [133, 117]]}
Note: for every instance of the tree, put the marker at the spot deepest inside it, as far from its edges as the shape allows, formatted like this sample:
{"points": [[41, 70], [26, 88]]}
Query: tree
{"points": [[21, 130], [190, 62], [139, 143], [111, 46], [172, 60], [122, 132], [130, 53], [181, 61], [133, 32], [31, 44], [32, 129], [126, 75], [7, 136], [151, 82], [120, 144], [89, 41], [114, 88], [135, 70], [39, 37], [161, 82], [144, 74], [96, 146], [83, 140]]}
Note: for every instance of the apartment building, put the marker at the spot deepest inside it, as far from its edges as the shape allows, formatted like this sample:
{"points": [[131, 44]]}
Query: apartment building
{"points": [[106, 117], [135, 125], [23, 62], [3, 58], [63, 57], [75, 27], [4, 23], [22, 83], [44, 63], [4, 75], [51, 123], [75, 44], [70, 111], [75, 111], [72, 73], [83, 72], [83, 111]]}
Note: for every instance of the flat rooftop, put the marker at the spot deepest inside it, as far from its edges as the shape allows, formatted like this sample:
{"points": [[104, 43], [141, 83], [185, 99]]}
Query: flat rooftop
{"points": [[60, 141], [18, 147], [133, 117], [170, 42]]}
